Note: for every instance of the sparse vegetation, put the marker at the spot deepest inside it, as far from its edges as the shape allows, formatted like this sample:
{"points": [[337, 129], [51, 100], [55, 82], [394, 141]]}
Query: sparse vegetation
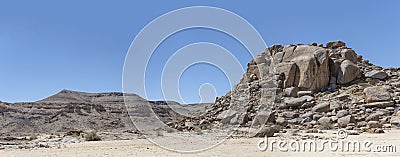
{"points": [[92, 136], [159, 133], [170, 130], [33, 137], [326, 126], [198, 131]]}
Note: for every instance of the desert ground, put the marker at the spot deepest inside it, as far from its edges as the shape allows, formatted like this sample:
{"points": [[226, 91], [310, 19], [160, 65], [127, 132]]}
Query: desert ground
{"points": [[231, 147]]}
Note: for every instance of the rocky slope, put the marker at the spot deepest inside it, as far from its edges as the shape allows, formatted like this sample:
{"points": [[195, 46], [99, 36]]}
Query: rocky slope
{"points": [[308, 87], [71, 111]]}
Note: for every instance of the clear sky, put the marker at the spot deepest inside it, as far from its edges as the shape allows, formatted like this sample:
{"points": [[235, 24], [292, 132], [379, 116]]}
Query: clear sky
{"points": [[47, 45]]}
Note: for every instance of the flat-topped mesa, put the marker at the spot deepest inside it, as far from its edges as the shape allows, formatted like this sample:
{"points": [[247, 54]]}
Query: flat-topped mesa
{"points": [[69, 96]]}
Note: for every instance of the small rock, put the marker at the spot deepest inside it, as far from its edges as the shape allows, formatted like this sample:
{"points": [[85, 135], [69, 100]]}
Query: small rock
{"points": [[294, 102], [304, 93], [292, 91], [290, 115], [344, 121], [324, 120], [323, 107], [342, 113]]}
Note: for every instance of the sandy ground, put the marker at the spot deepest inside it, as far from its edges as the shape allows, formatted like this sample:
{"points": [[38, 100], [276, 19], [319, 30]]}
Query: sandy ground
{"points": [[231, 147]]}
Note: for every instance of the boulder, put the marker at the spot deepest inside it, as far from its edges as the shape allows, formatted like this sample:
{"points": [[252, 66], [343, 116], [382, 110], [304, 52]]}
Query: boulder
{"points": [[344, 121], [323, 107], [335, 44], [349, 54], [376, 74], [226, 116], [348, 72], [374, 124], [265, 132], [264, 117], [313, 66], [288, 71], [376, 94], [324, 120], [342, 113], [395, 120], [294, 102], [292, 91]]}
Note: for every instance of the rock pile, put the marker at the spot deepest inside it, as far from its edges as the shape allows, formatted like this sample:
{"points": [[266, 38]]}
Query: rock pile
{"points": [[310, 87]]}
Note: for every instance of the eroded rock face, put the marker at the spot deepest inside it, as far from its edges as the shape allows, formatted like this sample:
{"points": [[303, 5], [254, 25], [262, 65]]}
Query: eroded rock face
{"points": [[309, 64]]}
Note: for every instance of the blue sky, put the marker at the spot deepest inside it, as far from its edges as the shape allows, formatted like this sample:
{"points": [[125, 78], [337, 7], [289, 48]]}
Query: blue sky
{"points": [[47, 46]]}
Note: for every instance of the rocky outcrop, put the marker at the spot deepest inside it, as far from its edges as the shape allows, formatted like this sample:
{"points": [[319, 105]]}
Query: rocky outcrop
{"points": [[311, 87]]}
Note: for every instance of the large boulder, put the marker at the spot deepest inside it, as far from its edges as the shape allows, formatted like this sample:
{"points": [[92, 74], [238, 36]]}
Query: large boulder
{"points": [[313, 66], [348, 72], [376, 94]]}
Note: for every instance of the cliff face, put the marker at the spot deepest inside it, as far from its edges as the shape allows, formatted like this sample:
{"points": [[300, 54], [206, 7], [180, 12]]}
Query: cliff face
{"points": [[308, 87]]}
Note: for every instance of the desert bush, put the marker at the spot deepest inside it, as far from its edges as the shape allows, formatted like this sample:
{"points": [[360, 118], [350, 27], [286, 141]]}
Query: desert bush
{"points": [[326, 126], [170, 130], [159, 133], [33, 137], [92, 137], [198, 131]]}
